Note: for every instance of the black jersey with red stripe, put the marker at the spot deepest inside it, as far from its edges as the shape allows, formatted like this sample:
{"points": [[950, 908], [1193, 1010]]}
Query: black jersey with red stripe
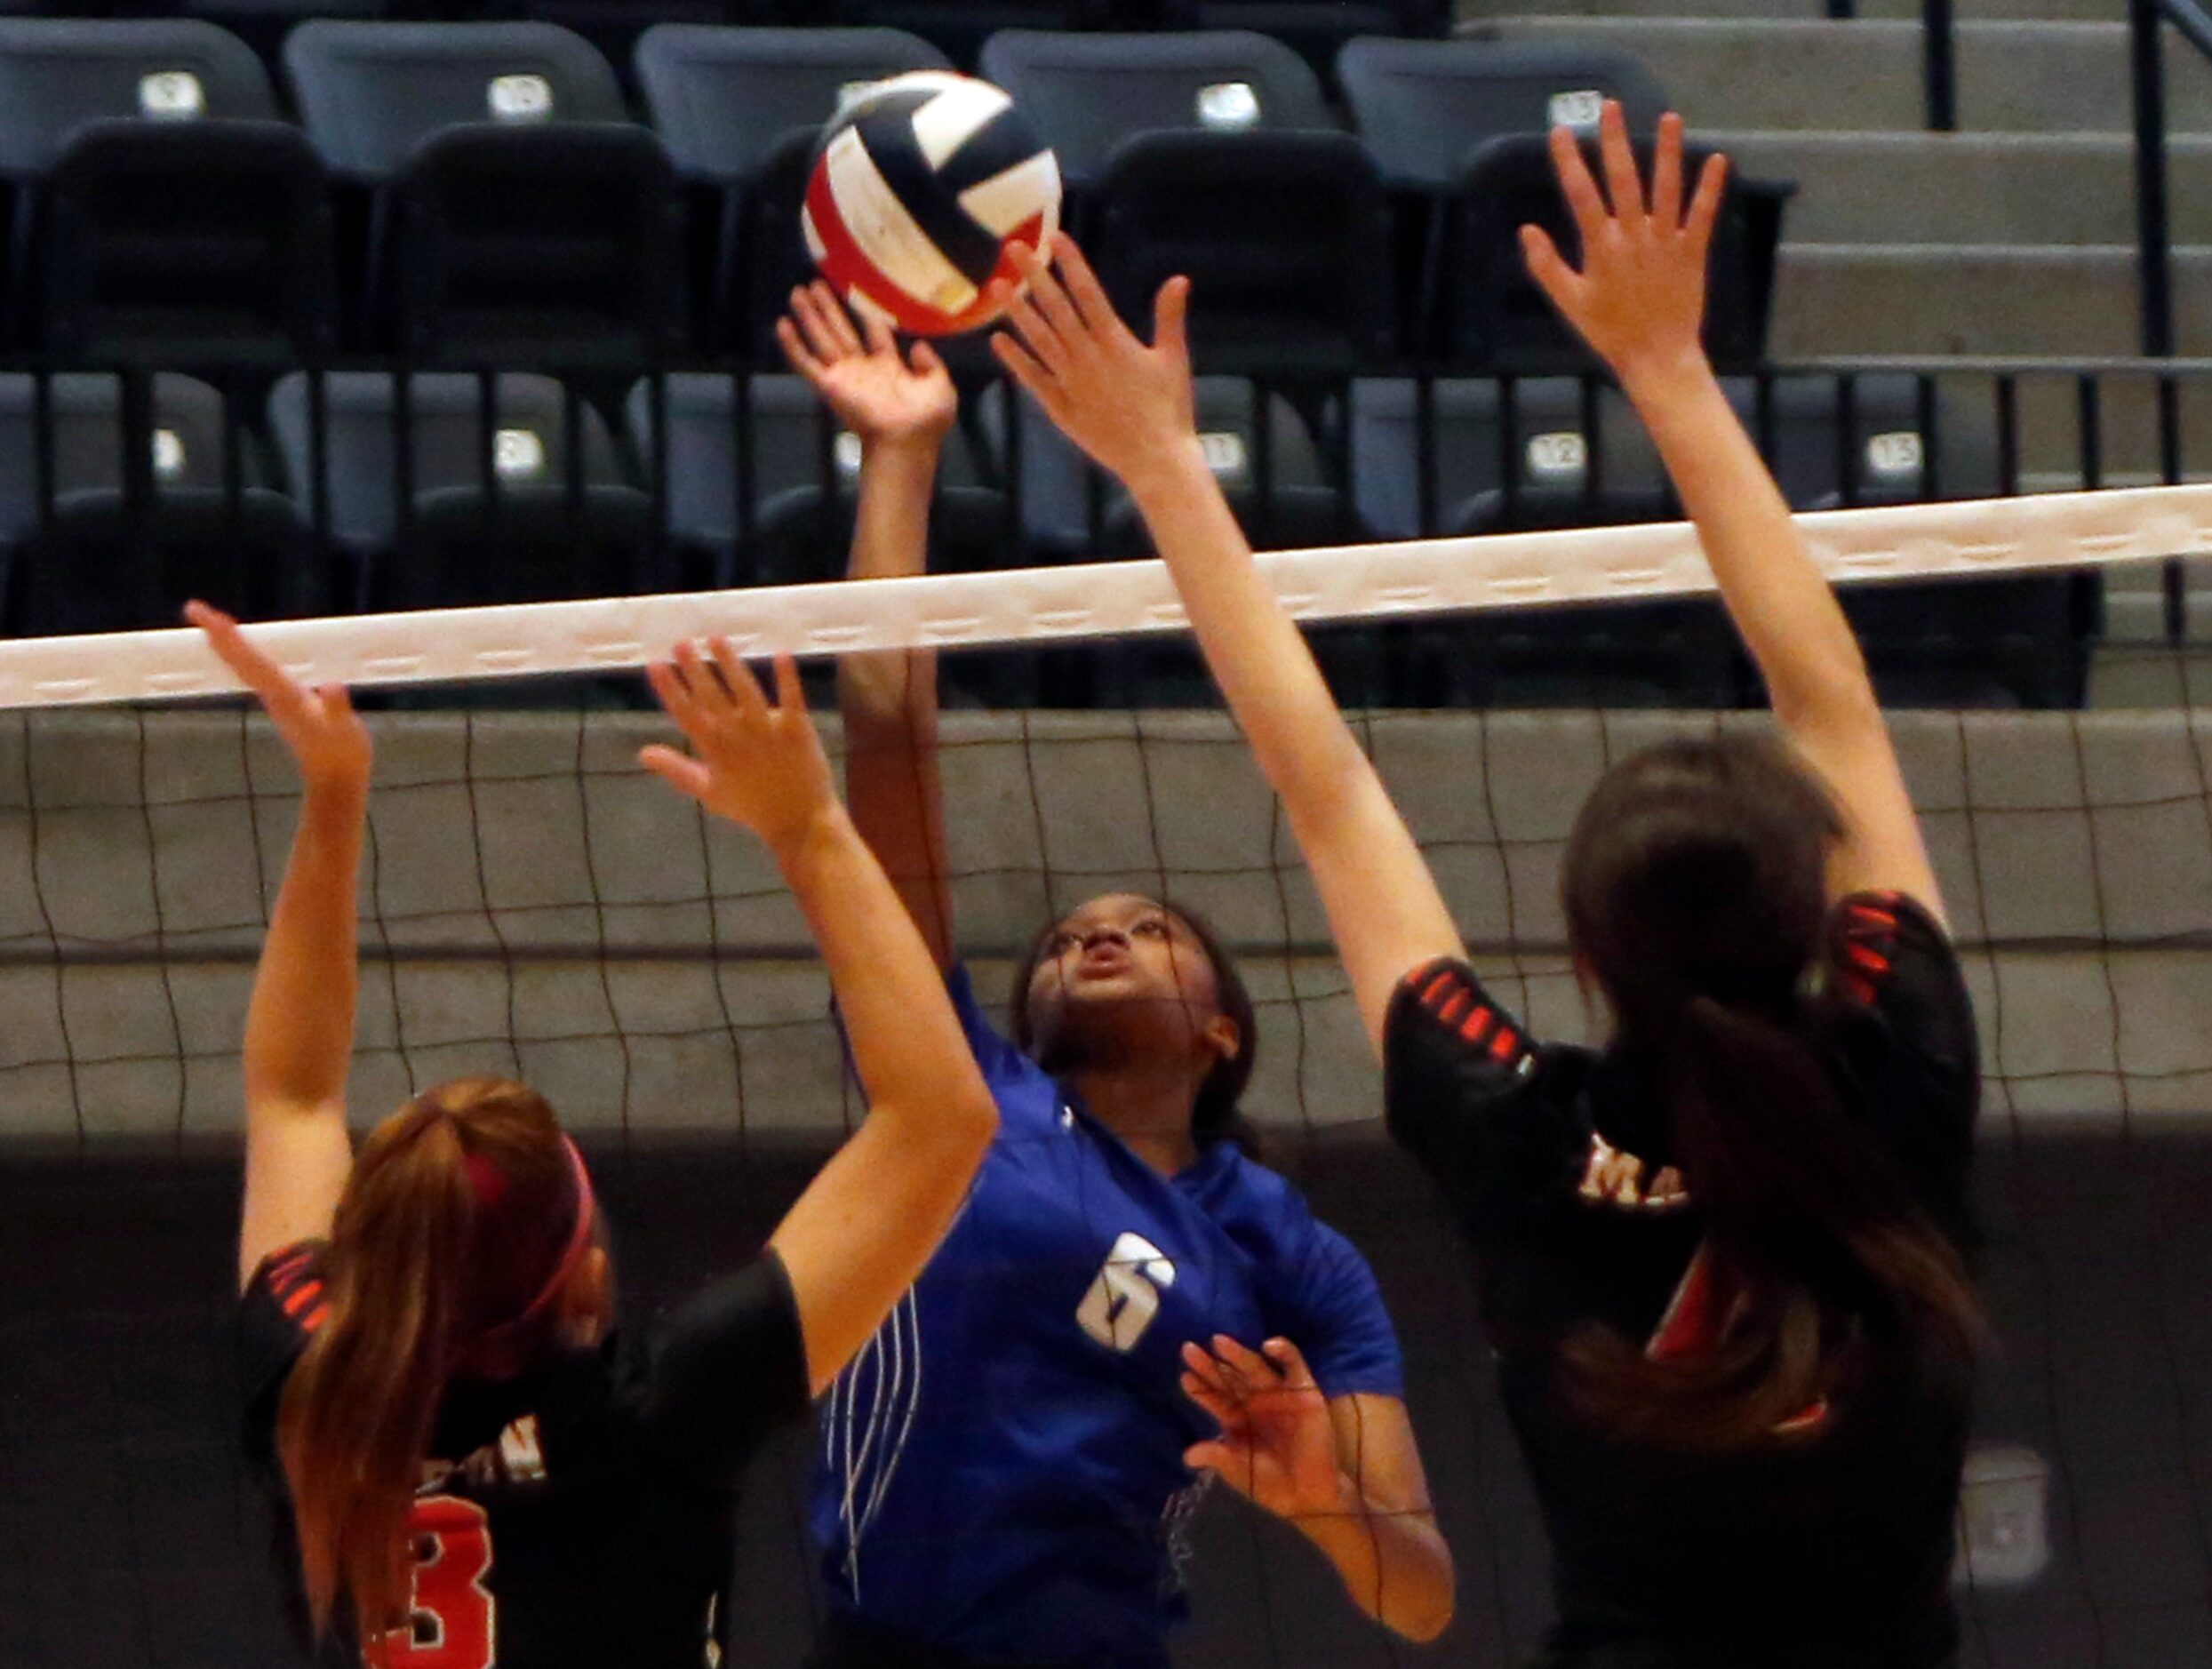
{"points": [[1833, 1548], [578, 1518]]}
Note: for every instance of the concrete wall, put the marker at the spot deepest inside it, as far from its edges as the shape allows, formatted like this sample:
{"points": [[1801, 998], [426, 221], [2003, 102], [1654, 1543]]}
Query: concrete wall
{"points": [[531, 902]]}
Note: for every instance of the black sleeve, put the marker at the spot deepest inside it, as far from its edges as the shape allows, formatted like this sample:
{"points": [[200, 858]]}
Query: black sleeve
{"points": [[1912, 1048], [1467, 1094], [729, 1366], [278, 1313]]}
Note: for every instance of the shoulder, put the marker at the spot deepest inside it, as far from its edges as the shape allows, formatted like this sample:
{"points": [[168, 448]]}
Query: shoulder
{"points": [[284, 1305]]}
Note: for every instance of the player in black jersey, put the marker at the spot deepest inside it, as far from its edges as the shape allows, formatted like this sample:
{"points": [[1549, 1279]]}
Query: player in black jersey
{"points": [[473, 1467], [1719, 1259]]}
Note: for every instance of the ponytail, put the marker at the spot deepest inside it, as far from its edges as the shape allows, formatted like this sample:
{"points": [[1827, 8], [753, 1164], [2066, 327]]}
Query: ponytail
{"points": [[357, 1410], [457, 1208], [1836, 1273], [1696, 898]]}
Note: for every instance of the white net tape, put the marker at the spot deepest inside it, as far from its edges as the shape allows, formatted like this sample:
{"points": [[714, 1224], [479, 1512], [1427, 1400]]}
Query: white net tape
{"points": [[1926, 541]]}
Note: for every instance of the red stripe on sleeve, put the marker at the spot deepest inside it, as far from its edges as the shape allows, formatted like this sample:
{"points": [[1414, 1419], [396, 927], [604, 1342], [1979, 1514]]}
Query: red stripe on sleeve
{"points": [[1477, 1024], [1506, 1044], [1436, 988], [1455, 1006], [303, 1295]]}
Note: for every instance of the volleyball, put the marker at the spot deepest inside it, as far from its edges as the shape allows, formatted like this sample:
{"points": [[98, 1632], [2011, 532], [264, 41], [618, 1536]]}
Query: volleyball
{"points": [[919, 184]]}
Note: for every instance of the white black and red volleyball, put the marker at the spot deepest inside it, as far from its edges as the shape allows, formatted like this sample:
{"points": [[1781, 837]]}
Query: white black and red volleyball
{"points": [[920, 183]]}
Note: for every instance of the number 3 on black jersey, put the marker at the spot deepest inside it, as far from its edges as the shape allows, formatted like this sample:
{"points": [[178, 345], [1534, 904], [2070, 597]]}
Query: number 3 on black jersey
{"points": [[450, 1624]]}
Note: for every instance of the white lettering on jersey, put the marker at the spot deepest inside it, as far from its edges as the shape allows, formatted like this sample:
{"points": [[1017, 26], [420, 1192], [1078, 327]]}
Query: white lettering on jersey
{"points": [[1126, 1295], [1615, 1178]]}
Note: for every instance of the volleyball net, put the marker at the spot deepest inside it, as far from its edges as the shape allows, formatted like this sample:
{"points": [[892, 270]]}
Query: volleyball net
{"points": [[534, 904]]}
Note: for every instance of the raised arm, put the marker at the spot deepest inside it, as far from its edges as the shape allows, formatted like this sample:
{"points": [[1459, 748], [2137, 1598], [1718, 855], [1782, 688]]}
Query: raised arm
{"points": [[861, 1232], [900, 409], [1639, 301], [1129, 408], [299, 1024]]}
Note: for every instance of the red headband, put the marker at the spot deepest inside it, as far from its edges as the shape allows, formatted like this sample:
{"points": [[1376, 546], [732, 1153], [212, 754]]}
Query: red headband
{"points": [[490, 1185]]}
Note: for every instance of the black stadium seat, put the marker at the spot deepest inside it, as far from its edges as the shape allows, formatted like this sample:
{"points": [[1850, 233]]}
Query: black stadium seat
{"points": [[1423, 106], [1214, 155], [792, 530], [740, 112], [1539, 442], [960, 28], [107, 553], [1086, 93], [1481, 310], [161, 212], [512, 510], [1315, 29], [514, 212]]}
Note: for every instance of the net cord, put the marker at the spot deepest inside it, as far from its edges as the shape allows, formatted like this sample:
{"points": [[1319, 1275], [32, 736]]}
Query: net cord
{"points": [[1968, 538]]}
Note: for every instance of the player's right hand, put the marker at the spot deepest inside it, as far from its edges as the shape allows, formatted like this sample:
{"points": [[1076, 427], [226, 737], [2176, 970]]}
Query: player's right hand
{"points": [[860, 375], [318, 723], [754, 762], [1640, 296]]}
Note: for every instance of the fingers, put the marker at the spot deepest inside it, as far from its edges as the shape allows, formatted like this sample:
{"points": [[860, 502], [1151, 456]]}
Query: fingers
{"points": [[1291, 1362], [1029, 318], [1549, 268], [1705, 208], [1203, 1367], [674, 693], [259, 672], [925, 359], [1247, 1364], [679, 771], [822, 321], [1227, 1413], [1171, 314], [880, 338], [1217, 1458], [1025, 367], [1666, 174], [800, 357], [1621, 183], [790, 694], [737, 679], [1083, 284], [1581, 190]]}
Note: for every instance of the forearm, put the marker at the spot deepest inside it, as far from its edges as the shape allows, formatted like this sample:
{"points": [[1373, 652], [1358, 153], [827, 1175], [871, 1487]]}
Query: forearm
{"points": [[1393, 1563], [1781, 602], [299, 1024], [889, 702], [891, 534], [1383, 905], [889, 992]]}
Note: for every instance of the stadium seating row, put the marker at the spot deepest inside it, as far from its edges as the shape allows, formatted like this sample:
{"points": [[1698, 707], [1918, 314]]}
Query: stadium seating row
{"points": [[449, 489], [474, 195], [957, 27]]}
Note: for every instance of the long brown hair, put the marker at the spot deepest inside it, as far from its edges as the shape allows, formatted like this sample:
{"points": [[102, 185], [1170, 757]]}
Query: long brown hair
{"points": [[459, 1212], [1696, 898], [1217, 1114]]}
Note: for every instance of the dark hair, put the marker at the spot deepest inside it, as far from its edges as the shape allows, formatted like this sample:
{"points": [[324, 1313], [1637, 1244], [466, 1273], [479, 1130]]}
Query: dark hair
{"points": [[1696, 898], [454, 1218], [1215, 1115]]}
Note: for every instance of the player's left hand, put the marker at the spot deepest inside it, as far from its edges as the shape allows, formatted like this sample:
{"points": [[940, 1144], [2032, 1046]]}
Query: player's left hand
{"points": [[318, 723], [1277, 1447], [757, 764], [1129, 406], [860, 375]]}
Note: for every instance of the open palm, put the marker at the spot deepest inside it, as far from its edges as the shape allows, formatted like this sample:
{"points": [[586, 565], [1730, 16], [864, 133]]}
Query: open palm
{"points": [[872, 388], [1277, 1447]]}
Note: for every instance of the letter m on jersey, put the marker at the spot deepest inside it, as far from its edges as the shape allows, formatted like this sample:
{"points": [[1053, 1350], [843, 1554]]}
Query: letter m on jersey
{"points": [[1126, 1295]]}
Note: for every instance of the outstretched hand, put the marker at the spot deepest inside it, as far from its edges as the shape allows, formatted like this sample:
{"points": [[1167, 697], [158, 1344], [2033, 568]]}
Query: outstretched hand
{"points": [[861, 376], [327, 739], [1640, 296], [1130, 407], [757, 764], [1277, 1447]]}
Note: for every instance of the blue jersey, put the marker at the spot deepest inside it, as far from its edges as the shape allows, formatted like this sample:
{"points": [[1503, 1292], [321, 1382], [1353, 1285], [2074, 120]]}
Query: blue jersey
{"points": [[1001, 1471]]}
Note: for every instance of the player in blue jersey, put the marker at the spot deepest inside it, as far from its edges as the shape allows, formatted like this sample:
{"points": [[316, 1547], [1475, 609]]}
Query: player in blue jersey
{"points": [[1129, 1306], [1719, 1257]]}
